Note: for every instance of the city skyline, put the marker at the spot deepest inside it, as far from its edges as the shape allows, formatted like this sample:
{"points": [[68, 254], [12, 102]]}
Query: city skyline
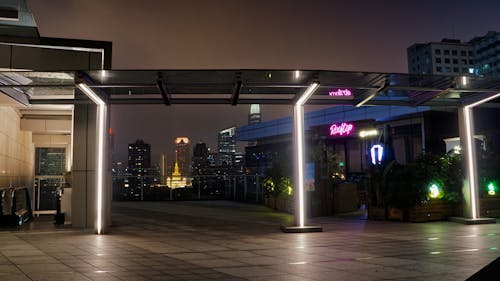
{"points": [[319, 34]]}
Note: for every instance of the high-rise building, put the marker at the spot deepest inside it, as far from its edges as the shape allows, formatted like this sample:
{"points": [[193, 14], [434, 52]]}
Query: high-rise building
{"points": [[200, 158], [254, 116], [139, 164], [479, 56], [182, 154], [139, 155], [448, 57], [227, 146], [163, 167], [486, 54]]}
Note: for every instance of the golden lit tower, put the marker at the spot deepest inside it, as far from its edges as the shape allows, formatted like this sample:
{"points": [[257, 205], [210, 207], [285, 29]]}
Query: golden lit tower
{"points": [[182, 153]]}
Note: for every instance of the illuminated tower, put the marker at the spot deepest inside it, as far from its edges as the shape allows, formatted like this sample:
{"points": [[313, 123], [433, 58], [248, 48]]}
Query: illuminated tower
{"points": [[163, 167], [227, 146], [254, 116], [182, 153]]}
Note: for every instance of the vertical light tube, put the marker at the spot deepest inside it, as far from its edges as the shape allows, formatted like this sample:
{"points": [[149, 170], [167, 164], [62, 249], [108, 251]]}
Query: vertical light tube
{"points": [[298, 111], [101, 114], [471, 160]]}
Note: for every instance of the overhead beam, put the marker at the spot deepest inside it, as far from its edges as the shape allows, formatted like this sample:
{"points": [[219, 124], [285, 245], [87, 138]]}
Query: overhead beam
{"points": [[428, 96], [382, 88], [165, 94], [236, 92]]}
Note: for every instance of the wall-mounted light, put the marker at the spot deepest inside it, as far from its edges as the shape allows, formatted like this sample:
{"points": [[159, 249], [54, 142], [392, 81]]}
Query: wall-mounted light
{"points": [[368, 133]]}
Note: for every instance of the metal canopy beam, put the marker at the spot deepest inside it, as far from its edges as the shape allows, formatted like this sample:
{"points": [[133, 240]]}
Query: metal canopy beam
{"points": [[236, 92], [165, 95]]}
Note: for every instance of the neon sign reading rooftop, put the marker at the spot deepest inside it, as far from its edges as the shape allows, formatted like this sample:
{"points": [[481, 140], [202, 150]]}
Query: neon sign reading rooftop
{"points": [[340, 93], [342, 129]]}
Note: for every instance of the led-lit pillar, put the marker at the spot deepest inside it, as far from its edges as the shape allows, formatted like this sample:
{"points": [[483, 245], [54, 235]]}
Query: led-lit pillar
{"points": [[469, 187], [90, 191], [298, 137], [299, 160]]}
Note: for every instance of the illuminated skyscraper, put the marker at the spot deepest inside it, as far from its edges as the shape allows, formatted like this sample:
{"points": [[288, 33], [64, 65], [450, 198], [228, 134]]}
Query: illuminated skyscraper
{"points": [[227, 146], [182, 153], [139, 155], [139, 164]]}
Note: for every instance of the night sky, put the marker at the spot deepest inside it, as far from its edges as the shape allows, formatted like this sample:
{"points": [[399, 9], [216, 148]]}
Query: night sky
{"points": [[200, 34]]}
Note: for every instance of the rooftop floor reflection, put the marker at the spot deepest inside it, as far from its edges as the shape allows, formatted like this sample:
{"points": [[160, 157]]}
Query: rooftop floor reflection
{"points": [[223, 240]]}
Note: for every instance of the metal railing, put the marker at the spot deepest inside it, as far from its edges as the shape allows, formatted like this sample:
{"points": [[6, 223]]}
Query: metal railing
{"points": [[201, 187]]}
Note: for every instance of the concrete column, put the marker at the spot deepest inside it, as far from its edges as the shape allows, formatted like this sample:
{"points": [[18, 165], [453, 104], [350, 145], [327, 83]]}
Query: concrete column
{"points": [[84, 170], [467, 143]]}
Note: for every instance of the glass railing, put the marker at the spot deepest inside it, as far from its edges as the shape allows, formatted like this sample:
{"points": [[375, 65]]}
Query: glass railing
{"points": [[204, 187], [45, 194]]}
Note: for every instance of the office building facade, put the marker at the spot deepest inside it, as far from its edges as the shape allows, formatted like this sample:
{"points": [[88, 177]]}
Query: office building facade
{"points": [[448, 57], [479, 56], [226, 143]]}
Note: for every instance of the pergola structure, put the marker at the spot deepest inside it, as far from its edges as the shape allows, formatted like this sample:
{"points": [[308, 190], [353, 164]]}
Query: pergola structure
{"points": [[232, 87]]}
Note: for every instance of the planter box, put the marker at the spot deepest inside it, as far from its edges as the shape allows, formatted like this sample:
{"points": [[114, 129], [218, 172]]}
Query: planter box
{"points": [[376, 213], [490, 207], [280, 203], [433, 210], [396, 214]]}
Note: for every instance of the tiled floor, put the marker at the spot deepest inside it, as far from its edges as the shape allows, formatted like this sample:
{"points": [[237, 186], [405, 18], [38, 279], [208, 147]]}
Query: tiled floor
{"points": [[219, 240]]}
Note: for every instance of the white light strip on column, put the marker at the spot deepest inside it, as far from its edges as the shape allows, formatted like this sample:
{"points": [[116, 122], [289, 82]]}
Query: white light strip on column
{"points": [[101, 106], [299, 140], [471, 162], [299, 135], [308, 93]]}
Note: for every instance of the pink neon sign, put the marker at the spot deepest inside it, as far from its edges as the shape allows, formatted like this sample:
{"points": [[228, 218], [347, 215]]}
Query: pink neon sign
{"points": [[342, 129], [340, 93]]}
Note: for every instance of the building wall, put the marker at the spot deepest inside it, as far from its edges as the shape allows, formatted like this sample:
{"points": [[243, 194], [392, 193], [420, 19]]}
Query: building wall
{"points": [[487, 51], [16, 150], [443, 58]]}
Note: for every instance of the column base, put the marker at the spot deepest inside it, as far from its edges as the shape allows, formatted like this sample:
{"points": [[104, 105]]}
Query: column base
{"points": [[463, 220], [301, 229]]}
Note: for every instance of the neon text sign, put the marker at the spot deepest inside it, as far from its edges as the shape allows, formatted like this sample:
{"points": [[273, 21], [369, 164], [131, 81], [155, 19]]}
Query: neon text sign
{"points": [[342, 129], [340, 93]]}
